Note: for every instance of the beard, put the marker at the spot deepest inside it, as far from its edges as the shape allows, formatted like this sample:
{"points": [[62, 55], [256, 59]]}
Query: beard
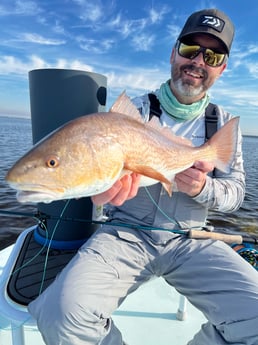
{"points": [[186, 86]]}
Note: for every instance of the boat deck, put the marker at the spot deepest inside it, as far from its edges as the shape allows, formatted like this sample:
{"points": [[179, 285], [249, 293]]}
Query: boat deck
{"points": [[148, 316]]}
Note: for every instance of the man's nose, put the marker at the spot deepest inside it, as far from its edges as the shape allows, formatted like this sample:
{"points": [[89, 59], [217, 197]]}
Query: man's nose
{"points": [[199, 59]]}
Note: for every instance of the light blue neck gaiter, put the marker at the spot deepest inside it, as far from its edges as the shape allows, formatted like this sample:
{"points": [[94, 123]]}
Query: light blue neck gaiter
{"points": [[180, 112]]}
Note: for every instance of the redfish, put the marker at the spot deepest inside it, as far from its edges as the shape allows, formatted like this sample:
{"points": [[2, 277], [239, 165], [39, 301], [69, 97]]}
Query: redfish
{"points": [[86, 156]]}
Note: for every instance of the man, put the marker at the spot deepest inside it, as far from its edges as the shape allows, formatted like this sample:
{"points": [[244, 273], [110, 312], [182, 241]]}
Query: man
{"points": [[77, 307]]}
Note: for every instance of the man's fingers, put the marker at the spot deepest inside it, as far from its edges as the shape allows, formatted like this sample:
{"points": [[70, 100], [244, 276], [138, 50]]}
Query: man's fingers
{"points": [[105, 197], [204, 166], [134, 185], [124, 189]]}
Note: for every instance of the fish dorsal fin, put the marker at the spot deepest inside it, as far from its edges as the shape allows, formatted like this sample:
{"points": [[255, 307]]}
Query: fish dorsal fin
{"points": [[167, 132], [124, 105]]}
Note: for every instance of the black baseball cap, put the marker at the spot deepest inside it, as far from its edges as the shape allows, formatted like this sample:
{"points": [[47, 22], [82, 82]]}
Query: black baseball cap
{"points": [[212, 22]]}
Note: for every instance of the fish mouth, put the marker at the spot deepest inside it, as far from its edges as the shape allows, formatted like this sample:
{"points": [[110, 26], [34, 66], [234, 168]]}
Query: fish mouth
{"points": [[28, 193], [35, 197]]}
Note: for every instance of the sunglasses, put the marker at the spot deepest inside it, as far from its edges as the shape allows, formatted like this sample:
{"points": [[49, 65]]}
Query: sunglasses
{"points": [[210, 57]]}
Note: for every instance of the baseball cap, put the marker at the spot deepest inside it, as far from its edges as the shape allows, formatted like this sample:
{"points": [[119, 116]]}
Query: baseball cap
{"points": [[210, 21]]}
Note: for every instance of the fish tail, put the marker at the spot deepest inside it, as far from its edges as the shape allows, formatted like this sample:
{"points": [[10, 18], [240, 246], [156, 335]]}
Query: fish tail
{"points": [[224, 143]]}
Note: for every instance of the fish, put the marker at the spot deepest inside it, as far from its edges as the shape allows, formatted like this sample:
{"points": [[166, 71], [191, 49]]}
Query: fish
{"points": [[87, 155]]}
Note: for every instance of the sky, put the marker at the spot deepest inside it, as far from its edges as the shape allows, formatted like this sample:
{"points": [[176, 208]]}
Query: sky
{"points": [[128, 41]]}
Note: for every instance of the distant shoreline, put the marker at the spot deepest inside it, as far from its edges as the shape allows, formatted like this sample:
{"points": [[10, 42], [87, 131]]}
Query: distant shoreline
{"points": [[250, 136], [28, 119]]}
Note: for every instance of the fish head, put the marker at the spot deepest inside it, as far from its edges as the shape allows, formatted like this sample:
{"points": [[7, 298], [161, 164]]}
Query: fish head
{"points": [[58, 167]]}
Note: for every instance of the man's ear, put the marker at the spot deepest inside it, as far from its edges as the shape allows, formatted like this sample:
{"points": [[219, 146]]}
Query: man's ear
{"points": [[172, 56], [221, 70]]}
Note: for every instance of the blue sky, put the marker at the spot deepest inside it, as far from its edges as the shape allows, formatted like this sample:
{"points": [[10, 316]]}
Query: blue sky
{"points": [[129, 41]]}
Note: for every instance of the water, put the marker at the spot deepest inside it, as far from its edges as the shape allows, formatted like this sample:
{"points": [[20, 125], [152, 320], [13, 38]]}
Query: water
{"points": [[16, 139], [245, 219]]}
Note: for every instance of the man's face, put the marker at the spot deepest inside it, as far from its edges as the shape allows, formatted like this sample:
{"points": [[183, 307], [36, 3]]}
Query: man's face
{"points": [[191, 78]]}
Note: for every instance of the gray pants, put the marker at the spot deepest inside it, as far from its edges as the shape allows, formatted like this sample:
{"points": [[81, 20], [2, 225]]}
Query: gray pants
{"points": [[76, 308]]}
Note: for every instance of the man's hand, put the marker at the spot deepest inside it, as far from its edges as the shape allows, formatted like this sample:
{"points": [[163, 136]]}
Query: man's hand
{"points": [[192, 180], [124, 189]]}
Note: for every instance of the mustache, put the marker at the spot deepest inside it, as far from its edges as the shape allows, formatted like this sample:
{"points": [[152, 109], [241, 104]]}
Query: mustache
{"points": [[194, 68]]}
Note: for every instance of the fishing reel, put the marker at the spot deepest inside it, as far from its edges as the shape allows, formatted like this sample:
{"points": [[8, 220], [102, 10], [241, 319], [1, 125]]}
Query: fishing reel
{"points": [[248, 253]]}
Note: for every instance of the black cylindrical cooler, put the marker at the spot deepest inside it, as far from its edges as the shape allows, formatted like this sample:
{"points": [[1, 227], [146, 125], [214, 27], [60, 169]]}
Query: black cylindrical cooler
{"points": [[56, 97]]}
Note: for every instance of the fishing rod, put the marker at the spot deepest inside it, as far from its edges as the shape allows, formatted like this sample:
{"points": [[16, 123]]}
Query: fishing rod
{"points": [[200, 233], [227, 238]]}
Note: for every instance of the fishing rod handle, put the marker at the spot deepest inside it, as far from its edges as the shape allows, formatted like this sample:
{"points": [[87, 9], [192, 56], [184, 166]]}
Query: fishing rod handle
{"points": [[202, 235]]}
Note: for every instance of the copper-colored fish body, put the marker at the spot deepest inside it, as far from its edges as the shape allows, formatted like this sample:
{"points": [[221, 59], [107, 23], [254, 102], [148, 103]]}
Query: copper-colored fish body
{"points": [[87, 155]]}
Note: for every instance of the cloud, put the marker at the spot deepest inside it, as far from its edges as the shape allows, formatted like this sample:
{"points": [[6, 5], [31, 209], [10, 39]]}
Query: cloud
{"points": [[157, 15], [95, 46], [133, 80], [21, 8], [58, 28], [253, 69], [38, 39], [129, 27], [94, 16], [90, 11], [173, 31], [136, 80], [239, 96], [10, 65], [242, 54], [74, 64], [26, 7], [253, 48], [13, 65], [236, 98], [143, 42]]}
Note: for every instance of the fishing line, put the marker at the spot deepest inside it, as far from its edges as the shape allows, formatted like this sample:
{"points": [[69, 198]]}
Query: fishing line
{"points": [[49, 245], [38, 217], [17, 270], [49, 241], [181, 230], [35, 256], [42, 217], [20, 214], [172, 220]]}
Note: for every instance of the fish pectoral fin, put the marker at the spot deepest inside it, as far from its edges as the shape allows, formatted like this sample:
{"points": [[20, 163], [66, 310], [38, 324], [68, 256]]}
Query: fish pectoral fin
{"points": [[152, 173], [168, 187]]}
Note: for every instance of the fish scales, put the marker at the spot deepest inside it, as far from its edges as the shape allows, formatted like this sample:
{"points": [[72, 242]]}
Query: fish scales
{"points": [[87, 155]]}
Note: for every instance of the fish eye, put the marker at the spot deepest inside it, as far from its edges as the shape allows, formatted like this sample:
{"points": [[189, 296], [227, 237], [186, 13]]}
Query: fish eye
{"points": [[52, 162]]}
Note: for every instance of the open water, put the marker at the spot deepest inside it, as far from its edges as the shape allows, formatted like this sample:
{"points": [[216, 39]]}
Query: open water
{"points": [[16, 139]]}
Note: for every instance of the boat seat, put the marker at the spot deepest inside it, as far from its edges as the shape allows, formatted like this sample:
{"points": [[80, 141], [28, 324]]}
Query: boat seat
{"points": [[21, 281], [31, 274]]}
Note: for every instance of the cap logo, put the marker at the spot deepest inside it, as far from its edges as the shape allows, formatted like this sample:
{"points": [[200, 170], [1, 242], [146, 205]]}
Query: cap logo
{"points": [[213, 22]]}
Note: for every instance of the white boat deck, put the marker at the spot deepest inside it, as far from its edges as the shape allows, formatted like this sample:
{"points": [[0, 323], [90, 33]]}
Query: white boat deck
{"points": [[147, 317]]}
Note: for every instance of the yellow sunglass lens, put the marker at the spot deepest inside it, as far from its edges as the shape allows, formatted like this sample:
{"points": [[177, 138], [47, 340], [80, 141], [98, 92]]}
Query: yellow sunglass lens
{"points": [[211, 58]]}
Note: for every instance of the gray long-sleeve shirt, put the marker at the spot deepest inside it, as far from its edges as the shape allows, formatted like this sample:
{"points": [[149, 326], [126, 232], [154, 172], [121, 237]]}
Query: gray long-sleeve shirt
{"points": [[153, 207]]}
